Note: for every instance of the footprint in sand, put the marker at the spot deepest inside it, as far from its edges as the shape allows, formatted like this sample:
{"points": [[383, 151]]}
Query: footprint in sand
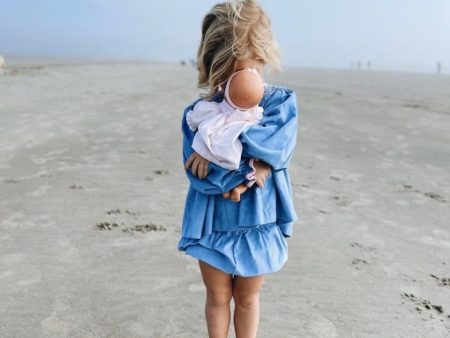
{"points": [[362, 247], [162, 172], [144, 228], [432, 195], [424, 306], [342, 201], [118, 211], [106, 226], [358, 262], [444, 281], [117, 216], [414, 105], [435, 196], [12, 181]]}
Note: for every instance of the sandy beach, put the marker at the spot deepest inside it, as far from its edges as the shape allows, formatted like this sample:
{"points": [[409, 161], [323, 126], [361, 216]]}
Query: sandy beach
{"points": [[92, 190]]}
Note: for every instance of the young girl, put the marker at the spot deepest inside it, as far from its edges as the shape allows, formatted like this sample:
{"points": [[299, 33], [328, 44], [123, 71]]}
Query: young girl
{"points": [[238, 241]]}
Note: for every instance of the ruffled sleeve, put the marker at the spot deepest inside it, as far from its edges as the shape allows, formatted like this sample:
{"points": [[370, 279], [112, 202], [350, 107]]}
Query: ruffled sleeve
{"points": [[273, 139], [251, 178], [218, 180]]}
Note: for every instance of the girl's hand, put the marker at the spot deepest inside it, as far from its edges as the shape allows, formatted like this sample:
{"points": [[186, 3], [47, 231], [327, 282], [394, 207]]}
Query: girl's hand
{"points": [[198, 165], [263, 170]]}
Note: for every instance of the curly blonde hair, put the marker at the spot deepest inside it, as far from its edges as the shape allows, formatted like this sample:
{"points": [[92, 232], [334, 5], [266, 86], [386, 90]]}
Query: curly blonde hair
{"points": [[233, 31]]}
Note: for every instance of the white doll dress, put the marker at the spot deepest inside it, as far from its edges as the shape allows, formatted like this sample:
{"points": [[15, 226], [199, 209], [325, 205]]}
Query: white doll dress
{"points": [[218, 126]]}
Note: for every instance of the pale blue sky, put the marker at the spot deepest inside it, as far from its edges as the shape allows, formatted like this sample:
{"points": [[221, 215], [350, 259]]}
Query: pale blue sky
{"points": [[393, 34]]}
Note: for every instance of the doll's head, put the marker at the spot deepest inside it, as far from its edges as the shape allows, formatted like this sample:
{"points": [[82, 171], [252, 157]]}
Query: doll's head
{"points": [[233, 31], [245, 89]]}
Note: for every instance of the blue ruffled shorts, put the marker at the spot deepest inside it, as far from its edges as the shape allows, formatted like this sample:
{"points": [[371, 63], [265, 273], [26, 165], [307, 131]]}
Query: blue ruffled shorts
{"points": [[242, 251]]}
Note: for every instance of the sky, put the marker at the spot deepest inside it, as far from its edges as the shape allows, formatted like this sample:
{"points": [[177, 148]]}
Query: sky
{"points": [[405, 35]]}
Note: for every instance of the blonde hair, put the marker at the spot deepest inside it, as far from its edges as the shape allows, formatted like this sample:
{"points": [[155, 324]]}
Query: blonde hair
{"points": [[233, 31]]}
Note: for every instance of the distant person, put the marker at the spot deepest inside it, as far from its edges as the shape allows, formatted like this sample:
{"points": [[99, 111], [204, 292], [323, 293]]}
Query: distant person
{"points": [[238, 241], [369, 65], [439, 68], [2, 65]]}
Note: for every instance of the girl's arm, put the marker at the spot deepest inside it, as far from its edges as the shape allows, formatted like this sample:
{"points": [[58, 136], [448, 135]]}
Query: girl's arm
{"points": [[218, 180], [274, 138]]}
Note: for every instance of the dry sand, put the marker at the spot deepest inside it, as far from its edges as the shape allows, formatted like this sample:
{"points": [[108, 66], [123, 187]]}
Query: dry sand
{"points": [[92, 191]]}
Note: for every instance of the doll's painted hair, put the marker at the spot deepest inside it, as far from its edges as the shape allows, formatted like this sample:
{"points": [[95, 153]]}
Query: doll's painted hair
{"points": [[232, 31]]}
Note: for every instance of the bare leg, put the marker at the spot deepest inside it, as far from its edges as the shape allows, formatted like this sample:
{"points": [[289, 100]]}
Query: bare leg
{"points": [[219, 287], [246, 298]]}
